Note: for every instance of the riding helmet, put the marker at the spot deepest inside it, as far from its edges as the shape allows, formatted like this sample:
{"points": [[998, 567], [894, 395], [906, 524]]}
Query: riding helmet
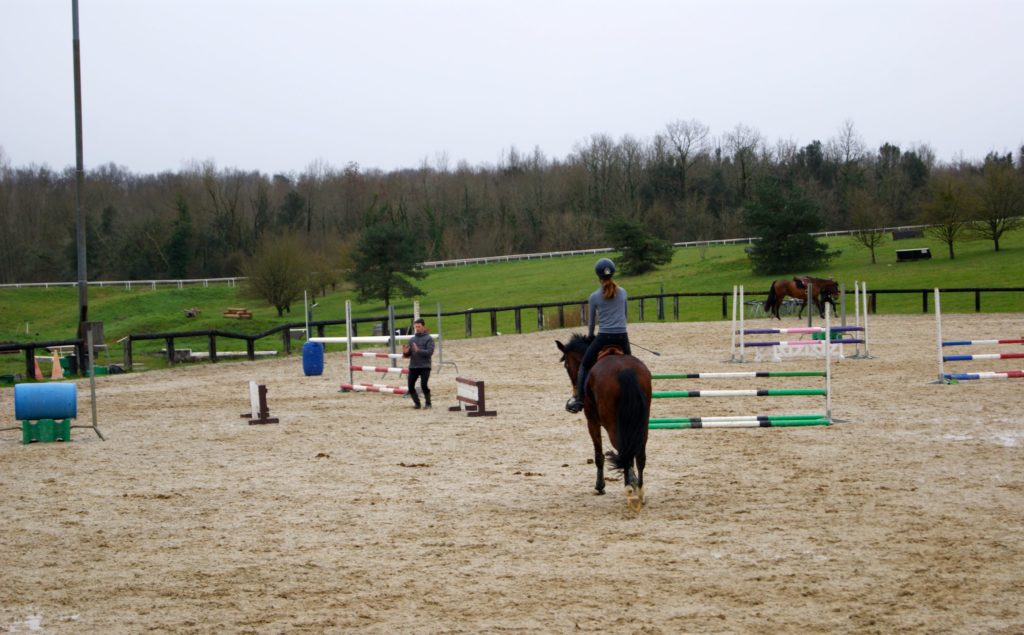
{"points": [[604, 268]]}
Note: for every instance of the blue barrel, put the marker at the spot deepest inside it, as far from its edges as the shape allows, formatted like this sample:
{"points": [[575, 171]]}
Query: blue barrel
{"points": [[45, 401], [313, 358]]}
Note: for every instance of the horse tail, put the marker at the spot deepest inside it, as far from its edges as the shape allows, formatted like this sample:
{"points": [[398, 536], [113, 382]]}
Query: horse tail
{"points": [[769, 304], [632, 419]]}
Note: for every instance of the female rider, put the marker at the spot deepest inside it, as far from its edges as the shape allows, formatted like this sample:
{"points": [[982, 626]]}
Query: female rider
{"points": [[607, 308]]}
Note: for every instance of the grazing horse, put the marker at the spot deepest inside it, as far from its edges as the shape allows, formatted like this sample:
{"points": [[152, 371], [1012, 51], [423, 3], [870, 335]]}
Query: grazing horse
{"points": [[617, 397], [824, 290]]}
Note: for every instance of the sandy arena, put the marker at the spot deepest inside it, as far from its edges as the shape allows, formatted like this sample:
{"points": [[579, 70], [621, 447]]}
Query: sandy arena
{"points": [[358, 514]]}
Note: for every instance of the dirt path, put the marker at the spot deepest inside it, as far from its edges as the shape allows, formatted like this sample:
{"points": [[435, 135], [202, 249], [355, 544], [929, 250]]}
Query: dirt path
{"points": [[357, 513]]}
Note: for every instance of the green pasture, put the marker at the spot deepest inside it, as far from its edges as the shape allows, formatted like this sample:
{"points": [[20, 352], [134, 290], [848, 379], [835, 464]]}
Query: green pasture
{"points": [[38, 314]]}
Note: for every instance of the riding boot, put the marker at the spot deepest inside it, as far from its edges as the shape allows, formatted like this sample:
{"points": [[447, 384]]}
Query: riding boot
{"points": [[575, 404], [426, 399], [415, 400]]}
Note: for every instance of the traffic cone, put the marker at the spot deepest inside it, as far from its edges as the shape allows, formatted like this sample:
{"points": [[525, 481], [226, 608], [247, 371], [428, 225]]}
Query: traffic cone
{"points": [[39, 373], [58, 372]]}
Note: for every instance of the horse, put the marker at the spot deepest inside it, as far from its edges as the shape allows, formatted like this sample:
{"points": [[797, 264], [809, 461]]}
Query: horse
{"points": [[617, 397], [824, 290]]}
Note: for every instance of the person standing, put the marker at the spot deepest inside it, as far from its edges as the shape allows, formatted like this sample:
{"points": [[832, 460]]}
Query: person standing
{"points": [[607, 310], [420, 351]]}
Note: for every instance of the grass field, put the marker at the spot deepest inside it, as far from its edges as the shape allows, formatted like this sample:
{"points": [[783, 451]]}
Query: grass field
{"points": [[38, 314]]}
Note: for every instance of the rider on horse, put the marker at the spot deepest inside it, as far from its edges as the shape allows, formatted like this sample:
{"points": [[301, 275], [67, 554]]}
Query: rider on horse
{"points": [[607, 310]]}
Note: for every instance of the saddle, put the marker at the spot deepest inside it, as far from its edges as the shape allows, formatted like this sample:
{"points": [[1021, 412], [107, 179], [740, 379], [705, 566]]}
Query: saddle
{"points": [[614, 349], [801, 283]]}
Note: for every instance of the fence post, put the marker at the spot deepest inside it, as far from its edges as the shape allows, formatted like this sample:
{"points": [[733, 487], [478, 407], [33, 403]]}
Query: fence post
{"points": [[725, 311], [169, 347], [519, 321], [675, 307], [977, 300], [250, 347], [469, 324], [30, 362], [213, 347], [561, 316], [924, 302], [286, 340], [128, 352], [494, 322], [540, 318], [640, 315], [661, 307]]}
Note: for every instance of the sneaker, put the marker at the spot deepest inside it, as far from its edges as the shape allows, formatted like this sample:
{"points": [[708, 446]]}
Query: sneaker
{"points": [[574, 405]]}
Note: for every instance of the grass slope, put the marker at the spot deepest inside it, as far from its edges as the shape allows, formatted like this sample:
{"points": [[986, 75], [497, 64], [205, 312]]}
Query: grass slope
{"points": [[35, 314]]}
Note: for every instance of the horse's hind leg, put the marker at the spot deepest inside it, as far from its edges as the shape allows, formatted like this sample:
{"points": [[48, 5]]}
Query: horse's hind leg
{"points": [[595, 436], [635, 484]]}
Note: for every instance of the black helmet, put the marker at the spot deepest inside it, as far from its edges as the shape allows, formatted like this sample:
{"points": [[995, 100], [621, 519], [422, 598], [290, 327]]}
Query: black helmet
{"points": [[604, 268]]}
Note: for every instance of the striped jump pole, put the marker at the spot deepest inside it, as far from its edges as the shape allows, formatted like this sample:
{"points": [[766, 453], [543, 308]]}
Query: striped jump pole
{"points": [[753, 421], [801, 342], [368, 355], [757, 392], [991, 374], [950, 378], [379, 369], [381, 388], [967, 358], [976, 342], [744, 374]]}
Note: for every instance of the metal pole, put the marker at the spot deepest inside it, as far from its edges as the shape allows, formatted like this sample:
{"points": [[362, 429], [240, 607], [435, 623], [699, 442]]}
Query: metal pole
{"points": [[83, 287]]}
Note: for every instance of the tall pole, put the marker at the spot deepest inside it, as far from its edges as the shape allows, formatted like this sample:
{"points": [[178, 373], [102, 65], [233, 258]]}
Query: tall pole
{"points": [[83, 295]]}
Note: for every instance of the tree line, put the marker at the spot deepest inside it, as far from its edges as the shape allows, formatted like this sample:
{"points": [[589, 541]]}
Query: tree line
{"points": [[682, 184]]}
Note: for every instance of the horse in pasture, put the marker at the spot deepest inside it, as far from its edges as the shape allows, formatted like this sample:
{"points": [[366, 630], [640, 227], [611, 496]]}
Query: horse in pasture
{"points": [[617, 397], [823, 290]]}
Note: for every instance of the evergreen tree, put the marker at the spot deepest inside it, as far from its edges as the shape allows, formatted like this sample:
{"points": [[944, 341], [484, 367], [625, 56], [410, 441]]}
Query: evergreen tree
{"points": [[386, 257], [783, 218], [641, 250]]}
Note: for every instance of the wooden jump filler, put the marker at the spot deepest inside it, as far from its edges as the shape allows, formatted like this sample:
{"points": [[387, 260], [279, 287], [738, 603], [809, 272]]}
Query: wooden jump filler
{"points": [[470, 394], [260, 412]]}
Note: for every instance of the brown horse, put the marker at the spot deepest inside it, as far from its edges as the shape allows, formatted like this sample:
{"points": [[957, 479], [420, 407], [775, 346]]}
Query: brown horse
{"points": [[824, 290], [617, 397]]}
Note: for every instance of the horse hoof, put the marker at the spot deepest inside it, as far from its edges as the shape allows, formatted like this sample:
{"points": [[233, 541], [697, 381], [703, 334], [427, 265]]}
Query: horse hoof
{"points": [[598, 492], [634, 499]]}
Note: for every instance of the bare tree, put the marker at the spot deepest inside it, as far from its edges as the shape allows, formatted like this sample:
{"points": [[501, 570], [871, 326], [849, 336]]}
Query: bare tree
{"points": [[1002, 201], [688, 141], [949, 209], [743, 144], [279, 271], [868, 216]]}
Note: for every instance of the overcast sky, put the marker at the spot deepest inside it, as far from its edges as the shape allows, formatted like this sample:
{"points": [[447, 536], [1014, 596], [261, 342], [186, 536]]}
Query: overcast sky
{"points": [[275, 86]]}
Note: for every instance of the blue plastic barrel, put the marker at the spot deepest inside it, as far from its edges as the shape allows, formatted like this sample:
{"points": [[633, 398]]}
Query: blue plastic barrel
{"points": [[45, 401], [313, 358]]}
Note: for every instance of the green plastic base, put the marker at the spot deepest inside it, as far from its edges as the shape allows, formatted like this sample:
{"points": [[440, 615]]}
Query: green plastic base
{"points": [[45, 431]]}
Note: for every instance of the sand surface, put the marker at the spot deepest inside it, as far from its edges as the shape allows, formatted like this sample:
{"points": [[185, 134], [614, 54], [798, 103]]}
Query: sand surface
{"points": [[358, 514]]}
